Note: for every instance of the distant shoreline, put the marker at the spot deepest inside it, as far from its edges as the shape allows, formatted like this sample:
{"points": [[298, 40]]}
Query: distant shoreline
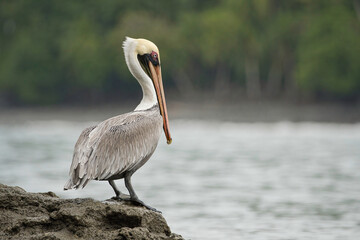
{"points": [[244, 111]]}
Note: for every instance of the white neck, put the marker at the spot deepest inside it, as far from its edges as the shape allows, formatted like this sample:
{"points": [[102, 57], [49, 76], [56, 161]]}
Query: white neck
{"points": [[149, 96]]}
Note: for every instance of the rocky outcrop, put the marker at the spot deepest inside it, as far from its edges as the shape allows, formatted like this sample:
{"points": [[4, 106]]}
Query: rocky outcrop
{"points": [[45, 216]]}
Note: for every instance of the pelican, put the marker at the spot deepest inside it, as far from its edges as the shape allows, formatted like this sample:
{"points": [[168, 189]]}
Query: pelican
{"points": [[117, 147]]}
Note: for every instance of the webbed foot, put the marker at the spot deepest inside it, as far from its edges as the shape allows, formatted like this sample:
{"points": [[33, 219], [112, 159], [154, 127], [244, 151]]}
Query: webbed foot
{"points": [[141, 203]]}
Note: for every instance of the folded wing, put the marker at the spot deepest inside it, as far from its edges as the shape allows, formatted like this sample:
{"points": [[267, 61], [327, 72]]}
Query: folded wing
{"points": [[113, 147]]}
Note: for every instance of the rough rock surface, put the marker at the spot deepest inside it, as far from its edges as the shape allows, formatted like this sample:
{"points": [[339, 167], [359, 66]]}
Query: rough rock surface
{"points": [[45, 216]]}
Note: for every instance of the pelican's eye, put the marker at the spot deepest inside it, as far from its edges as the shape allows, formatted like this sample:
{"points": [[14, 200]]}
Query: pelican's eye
{"points": [[154, 56]]}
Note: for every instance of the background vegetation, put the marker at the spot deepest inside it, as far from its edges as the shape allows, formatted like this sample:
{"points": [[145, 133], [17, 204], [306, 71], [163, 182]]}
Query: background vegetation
{"points": [[70, 51]]}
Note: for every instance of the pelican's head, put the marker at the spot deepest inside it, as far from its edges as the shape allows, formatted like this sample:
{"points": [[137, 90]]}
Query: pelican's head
{"points": [[143, 59]]}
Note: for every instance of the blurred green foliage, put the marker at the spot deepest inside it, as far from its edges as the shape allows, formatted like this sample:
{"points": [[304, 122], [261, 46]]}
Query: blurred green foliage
{"points": [[71, 51]]}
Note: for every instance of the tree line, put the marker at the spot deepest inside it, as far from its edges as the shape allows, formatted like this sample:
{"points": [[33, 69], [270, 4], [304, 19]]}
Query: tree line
{"points": [[71, 51]]}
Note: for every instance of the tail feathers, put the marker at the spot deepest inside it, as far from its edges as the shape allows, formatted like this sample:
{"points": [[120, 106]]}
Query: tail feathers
{"points": [[69, 185], [78, 178], [82, 182]]}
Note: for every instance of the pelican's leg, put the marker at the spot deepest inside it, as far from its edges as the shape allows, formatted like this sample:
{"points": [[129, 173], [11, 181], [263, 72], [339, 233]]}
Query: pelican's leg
{"points": [[119, 195], [133, 196]]}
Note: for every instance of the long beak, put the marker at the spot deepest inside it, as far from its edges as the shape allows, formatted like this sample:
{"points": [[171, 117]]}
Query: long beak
{"points": [[159, 89]]}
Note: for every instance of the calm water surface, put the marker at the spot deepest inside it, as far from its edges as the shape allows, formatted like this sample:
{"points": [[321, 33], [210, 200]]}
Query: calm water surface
{"points": [[217, 180]]}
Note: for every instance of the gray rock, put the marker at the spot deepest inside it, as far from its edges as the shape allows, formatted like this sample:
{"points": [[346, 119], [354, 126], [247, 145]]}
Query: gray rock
{"points": [[40, 216]]}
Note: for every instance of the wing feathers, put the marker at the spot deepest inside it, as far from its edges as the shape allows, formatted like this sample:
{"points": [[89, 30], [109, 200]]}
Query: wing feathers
{"points": [[114, 146]]}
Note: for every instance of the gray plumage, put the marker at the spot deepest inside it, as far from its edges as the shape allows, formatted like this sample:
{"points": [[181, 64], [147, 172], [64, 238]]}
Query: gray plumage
{"points": [[115, 147]]}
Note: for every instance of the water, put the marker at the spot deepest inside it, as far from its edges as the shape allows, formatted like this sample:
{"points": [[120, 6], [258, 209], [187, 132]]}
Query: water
{"points": [[217, 180]]}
